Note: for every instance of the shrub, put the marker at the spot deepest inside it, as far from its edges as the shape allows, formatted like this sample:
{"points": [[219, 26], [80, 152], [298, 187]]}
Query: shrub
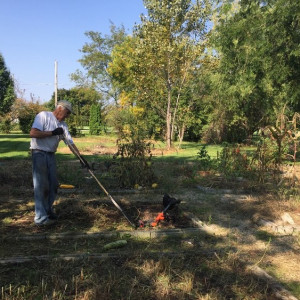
{"points": [[95, 119], [26, 114], [232, 162], [134, 166], [204, 160], [5, 124]]}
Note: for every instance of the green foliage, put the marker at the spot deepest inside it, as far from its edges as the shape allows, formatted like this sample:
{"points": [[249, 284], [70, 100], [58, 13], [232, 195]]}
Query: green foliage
{"points": [[283, 51], [238, 81], [264, 159], [81, 98], [95, 61], [26, 115], [275, 153], [133, 158], [74, 131], [205, 162], [155, 68], [5, 124], [277, 144], [222, 89], [134, 166], [128, 123], [7, 93], [232, 162], [95, 119], [259, 54]]}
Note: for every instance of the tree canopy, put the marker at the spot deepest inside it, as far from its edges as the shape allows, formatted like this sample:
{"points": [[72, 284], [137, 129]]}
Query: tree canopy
{"points": [[258, 74], [95, 60], [154, 68], [7, 93], [179, 77]]}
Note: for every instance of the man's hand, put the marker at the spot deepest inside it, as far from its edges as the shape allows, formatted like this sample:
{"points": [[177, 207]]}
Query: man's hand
{"points": [[58, 131], [84, 163]]}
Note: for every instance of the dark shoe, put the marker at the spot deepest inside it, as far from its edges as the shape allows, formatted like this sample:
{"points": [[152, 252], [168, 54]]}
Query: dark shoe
{"points": [[48, 222]]}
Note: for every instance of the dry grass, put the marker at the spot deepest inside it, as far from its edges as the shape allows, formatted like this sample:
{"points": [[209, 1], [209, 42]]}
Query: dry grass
{"points": [[203, 266], [202, 278]]}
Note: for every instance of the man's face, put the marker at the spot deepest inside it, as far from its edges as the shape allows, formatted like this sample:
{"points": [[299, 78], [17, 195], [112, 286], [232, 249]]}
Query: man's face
{"points": [[62, 113]]}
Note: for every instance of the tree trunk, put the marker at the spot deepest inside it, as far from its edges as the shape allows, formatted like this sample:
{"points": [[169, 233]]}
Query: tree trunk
{"points": [[169, 125], [181, 135]]}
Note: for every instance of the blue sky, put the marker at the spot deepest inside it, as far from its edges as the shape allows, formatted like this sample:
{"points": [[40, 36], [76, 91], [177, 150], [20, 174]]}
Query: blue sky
{"points": [[36, 33]]}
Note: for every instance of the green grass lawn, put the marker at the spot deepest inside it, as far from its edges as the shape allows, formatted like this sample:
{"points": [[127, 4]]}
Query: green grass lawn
{"points": [[16, 146]]}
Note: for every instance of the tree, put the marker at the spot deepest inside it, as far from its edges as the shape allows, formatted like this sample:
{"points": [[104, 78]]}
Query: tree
{"points": [[25, 112], [283, 51], [171, 41], [258, 47], [95, 119], [238, 84], [165, 51], [95, 60], [81, 98], [126, 78], [7, 93], [196, 103]]}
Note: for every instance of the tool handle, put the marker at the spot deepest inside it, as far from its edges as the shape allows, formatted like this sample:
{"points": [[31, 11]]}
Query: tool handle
{"points": [[84, 162], [100, 184]]}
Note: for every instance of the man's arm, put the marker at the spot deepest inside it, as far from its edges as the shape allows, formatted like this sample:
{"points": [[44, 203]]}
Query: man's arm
{"points": [[36, 133]]}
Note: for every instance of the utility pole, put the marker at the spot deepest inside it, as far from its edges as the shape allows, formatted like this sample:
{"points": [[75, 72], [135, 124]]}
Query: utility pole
{"points": [[55, 82]]}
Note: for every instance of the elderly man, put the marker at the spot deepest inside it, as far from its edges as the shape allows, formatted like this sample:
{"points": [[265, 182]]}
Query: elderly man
{"points": [[47, 131]]}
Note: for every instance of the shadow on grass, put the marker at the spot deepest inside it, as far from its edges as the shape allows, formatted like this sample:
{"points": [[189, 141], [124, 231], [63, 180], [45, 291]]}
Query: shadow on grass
{"points": [[14, 136], [156, 269], [22, 146], [175, 267]]}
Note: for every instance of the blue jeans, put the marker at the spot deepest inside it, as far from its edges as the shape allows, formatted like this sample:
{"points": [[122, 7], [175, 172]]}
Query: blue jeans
{"points": [[45, 184]]}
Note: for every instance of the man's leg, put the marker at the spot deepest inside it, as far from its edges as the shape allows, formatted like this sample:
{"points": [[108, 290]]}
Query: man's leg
{"points": [[41, 186], [53, 183]]}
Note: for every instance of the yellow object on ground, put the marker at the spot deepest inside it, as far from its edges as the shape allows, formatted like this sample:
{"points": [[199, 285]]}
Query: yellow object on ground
{"points": [[66, 186]]}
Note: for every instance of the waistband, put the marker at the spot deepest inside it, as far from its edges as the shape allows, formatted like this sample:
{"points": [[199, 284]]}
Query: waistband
{"points": [[38, 150]]}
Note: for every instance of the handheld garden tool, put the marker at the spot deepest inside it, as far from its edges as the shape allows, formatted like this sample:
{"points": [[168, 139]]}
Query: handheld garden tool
{"points": [[85, 163], [168, 203]]}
